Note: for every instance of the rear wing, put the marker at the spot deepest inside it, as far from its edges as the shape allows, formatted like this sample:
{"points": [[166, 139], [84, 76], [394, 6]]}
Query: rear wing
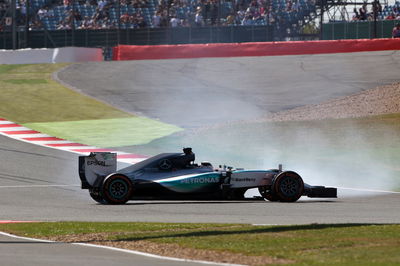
{"points": [[94, 167]]}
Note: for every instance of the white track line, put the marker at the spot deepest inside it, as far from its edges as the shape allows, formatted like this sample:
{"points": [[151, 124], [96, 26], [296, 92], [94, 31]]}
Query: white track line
{"points": [[68, 148], [45, 142], [123, 250], [38, 186], [6, 129], [157, 256], [22, 136], [26, 238], [6, 123]]}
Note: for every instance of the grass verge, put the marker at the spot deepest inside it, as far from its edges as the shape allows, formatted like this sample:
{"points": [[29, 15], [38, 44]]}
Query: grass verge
{"points": [[30, 97], [113, 132], [316, 244], [29, 94]]}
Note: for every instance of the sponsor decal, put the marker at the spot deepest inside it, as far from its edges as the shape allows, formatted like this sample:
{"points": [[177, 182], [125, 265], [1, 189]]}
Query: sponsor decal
{"points": [[101, 163], [200, 180], [246, 179]]}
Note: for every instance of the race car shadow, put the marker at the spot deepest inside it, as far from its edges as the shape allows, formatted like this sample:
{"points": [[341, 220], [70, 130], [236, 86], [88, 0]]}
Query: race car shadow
{"points": [[245, 201], [316, 201], [177, 202]]}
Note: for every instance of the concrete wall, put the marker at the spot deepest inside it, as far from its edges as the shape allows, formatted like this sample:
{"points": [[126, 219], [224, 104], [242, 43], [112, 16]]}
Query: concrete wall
{"points": [[57, 55]]}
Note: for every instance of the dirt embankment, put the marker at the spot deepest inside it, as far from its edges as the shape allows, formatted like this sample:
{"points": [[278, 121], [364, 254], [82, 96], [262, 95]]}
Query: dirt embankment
{"points": [[377, 101], [171, 250]]}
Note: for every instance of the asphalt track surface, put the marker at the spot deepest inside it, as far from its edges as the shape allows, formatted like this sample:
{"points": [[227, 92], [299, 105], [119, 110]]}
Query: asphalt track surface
{"points": [[198, 92], [21, 252], [42, 184], [44, 187]]}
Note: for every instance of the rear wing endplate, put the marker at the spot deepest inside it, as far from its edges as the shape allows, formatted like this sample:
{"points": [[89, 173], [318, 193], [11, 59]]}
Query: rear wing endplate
{"points": [[95, 166]]}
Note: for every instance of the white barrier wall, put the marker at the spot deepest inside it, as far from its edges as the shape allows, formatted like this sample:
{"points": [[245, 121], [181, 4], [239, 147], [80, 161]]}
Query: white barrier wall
{"points": [[57, 55]]}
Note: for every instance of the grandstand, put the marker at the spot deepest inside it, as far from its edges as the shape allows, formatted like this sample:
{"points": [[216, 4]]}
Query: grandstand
{"points": [[355, 10], [391, 9], [104, 23], [280, 13]]}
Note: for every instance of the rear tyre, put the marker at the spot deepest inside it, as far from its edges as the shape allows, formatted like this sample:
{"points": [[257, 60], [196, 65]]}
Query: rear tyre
{"points": [[117, 189], [288, 186], [96, 196]]}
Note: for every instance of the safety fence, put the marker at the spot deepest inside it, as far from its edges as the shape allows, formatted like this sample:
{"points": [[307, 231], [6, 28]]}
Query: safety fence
{"points": [[187, 35], [147, 36], [358, 30]]}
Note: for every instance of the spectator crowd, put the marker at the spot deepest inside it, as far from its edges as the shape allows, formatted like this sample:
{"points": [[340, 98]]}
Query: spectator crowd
{"points": [[98, 14], [111, 14], [386, 13]]}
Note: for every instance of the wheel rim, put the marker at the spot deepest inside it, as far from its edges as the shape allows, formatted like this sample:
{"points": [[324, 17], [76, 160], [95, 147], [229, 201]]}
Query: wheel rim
{"points": [[289, 187], [118, 189]]}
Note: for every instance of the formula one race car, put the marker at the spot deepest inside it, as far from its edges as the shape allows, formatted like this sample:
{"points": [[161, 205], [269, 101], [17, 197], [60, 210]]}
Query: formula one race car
{"points": [[176, 176]]}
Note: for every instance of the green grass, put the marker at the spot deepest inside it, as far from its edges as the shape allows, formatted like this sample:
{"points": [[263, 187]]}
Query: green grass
{"points": [[9, 68], [29, 96], [108, 132], [25, 100], [317, 244], [26, 81]]}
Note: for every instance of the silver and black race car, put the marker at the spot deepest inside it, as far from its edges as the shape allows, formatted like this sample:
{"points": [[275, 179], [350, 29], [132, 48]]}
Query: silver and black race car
{"points": [[176, 176]]}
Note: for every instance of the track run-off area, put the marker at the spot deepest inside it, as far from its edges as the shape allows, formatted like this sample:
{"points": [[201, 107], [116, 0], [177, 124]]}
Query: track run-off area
{"points": [[39, 183], [207, 103]]}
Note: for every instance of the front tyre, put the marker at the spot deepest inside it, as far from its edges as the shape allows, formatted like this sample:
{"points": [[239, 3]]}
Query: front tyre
{"points": [[288, 186], [267, 194], [117, 189]]}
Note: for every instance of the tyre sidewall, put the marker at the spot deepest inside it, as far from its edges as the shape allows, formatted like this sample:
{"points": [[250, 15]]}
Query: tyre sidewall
{"points": [[285, 177], [117, 180]]}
